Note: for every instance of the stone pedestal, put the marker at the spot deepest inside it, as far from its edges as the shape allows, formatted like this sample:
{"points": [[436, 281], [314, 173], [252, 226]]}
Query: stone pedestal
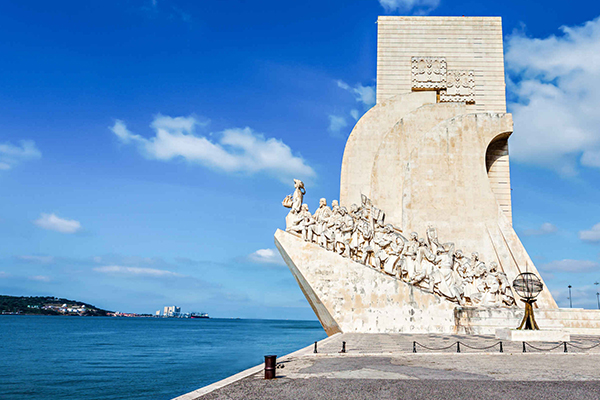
{"points": [[516, 335]]}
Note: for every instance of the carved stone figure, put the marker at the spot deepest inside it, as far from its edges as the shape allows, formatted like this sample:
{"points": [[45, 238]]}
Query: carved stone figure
{"points": [[506, 294], [294, 201], [304, 224], [321, 216], [381, 242], [366, 236], [411, 251], [298, 196], [492, 287], [432, 238], [426, 270], [344, 229]]}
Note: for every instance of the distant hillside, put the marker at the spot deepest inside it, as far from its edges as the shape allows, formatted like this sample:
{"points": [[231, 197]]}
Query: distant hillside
{"points": [[46, 305]]}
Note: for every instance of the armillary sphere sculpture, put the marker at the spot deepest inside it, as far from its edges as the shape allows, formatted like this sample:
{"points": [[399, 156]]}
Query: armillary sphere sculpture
{"points": [[528, 286]]}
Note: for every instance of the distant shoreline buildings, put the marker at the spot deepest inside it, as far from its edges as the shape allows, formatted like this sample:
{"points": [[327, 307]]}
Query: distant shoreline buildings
{"points": [[175, 312], [171, 311], [50, 305]]}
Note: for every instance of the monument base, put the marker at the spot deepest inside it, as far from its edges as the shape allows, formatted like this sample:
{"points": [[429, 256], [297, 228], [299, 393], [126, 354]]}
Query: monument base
{"points": [[516, 335]]}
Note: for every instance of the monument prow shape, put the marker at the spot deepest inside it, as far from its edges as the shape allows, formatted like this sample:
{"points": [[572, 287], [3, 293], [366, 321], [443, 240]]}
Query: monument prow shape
{"points": [[431, 156]]}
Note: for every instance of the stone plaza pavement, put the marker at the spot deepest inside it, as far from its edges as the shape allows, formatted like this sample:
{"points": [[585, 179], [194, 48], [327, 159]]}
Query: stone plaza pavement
{"points": [[383, 366]]}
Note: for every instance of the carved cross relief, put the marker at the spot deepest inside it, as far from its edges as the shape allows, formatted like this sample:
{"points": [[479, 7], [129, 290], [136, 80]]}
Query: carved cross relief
{"points": [[430, 73]]}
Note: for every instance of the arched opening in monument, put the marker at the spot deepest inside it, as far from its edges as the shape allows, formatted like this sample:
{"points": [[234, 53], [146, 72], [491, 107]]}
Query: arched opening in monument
{"points": [[498, 170]]}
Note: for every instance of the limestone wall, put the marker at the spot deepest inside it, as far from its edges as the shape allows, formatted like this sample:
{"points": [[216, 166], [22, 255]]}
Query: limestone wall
{"points": [[439, 165], [498, 169], [365, 139], [351, 297], [467, 43]]}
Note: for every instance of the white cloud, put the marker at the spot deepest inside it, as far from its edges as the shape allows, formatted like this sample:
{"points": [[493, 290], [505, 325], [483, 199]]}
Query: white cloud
{"points": [[336, 123], [354, 114], [266, 256], [362, 94], [237, 150], [11, 155], [37, 259], [592, 235], [179, 13], [39, 278], [136, 271], [571, 266], [54, 223], [558, 96], [545, 229], [420, 6]]}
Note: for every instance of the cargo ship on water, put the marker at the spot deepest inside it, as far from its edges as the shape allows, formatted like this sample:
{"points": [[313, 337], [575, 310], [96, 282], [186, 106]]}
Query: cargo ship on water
{"points": [[195, 315]]}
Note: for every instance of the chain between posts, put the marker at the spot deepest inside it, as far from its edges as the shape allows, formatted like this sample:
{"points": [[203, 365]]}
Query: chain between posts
{"points": [[561, 344], [458, 344], [583, 348]]}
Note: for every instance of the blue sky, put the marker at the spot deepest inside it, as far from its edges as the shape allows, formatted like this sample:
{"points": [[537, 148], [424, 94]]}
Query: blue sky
{"points": [[145, 146]]}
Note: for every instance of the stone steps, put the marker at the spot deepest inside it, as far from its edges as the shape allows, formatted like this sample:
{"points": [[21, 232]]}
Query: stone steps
{"points": [[485, 321]]}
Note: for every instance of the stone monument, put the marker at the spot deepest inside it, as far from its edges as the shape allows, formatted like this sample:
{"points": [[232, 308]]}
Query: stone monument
{"points": [[421, 239]]}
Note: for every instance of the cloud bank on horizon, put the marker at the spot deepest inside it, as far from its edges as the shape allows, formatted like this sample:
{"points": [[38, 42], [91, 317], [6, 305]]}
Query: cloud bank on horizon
{"points": [[239, 150], [136, 271]]}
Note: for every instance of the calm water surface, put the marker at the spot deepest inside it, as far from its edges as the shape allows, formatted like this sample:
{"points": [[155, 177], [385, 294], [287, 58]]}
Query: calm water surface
{"points": [[46, 357]]}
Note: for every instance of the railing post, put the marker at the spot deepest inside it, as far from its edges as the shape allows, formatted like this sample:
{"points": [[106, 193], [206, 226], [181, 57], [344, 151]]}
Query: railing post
{"points": [[458, 347], [565, 344], [414, 347], [315, 348], [524, 351], [501, 350]]}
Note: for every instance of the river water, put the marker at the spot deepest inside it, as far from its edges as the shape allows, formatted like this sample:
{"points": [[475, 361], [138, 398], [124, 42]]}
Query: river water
{"points": [[50, 357]]}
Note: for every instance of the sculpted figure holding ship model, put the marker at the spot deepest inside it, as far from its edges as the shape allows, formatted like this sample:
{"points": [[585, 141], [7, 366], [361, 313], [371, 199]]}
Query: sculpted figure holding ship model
{"points": [[428, 264]]}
